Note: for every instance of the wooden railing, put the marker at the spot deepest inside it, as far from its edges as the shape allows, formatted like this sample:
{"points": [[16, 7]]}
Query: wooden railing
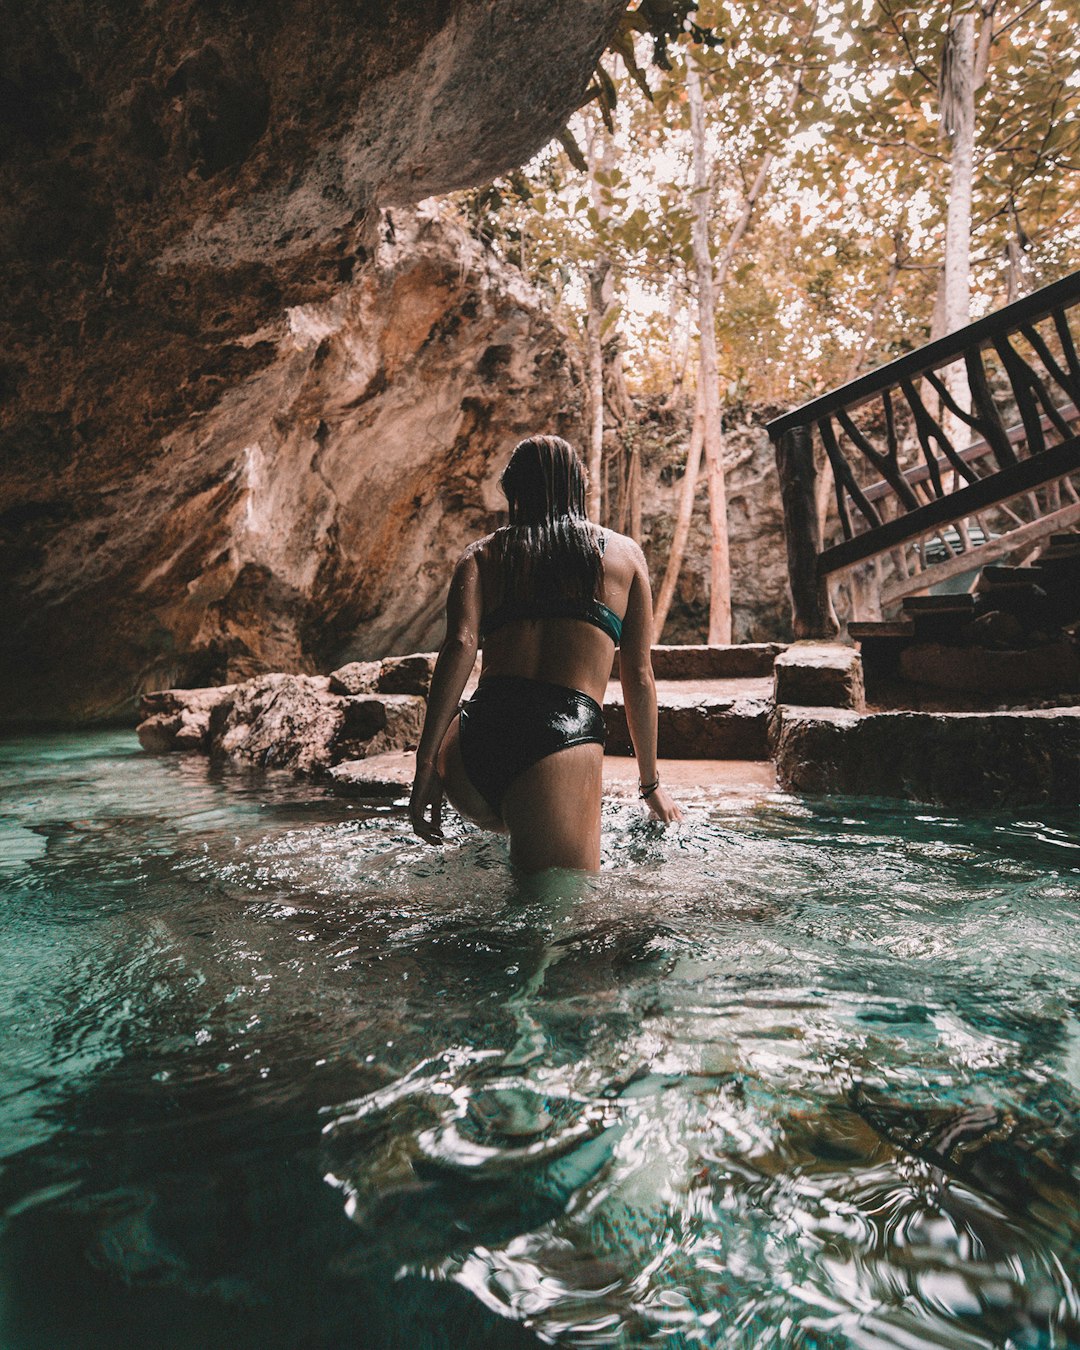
{"points": [[906, 470]]}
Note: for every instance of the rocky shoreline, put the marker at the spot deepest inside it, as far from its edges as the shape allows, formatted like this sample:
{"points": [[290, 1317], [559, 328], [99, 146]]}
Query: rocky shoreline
{"points": [[307, 723], [802, 707]]}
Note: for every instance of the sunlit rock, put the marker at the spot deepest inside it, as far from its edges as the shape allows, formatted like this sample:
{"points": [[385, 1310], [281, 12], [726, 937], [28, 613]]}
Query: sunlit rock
{"points": [[224, 420], [819, 675]]}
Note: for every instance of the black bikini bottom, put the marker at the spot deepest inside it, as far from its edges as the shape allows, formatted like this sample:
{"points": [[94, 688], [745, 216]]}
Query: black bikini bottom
{"points": [[512, 723]]}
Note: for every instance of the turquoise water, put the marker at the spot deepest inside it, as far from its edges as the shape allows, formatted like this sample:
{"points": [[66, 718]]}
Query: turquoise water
{"points": [[275, 1074]]}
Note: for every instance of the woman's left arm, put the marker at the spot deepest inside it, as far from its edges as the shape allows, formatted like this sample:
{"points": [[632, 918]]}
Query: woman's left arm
{"points": [[457, 655]]}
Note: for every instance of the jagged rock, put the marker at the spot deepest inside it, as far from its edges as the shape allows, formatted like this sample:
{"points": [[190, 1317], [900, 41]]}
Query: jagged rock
{"points": [[314, 516], [1014, 759], [193, 733], [819, 675], [407, 674], [375, 725], [158, 732], [179, 719], [165, 701], [358, 677], [281, 721], [227, 430], [395, 675]]}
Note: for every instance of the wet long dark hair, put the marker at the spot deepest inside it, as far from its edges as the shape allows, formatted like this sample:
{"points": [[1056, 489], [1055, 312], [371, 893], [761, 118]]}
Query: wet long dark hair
{"points": [[549, 550]]}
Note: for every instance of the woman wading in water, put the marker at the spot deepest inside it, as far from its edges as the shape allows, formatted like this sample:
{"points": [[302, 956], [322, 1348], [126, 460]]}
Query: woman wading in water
{"points": [[550, 596]]}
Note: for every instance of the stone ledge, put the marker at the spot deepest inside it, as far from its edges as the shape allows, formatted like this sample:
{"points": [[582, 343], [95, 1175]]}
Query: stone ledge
{"points": [[695, 726], [739, 661], [1002, 759], [1050, 668], [819, 675], [391, 775]]}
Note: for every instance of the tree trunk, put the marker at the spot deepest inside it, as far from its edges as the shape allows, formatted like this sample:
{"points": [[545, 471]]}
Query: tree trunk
{"points": [[633, 490], [957, 91], [682, 525], [599, 300], [958, 118], [595, 457], [708, 375], [720, 567]]}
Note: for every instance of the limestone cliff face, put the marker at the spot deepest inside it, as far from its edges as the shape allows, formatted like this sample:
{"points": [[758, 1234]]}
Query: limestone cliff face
{"points": [[314, 513], [760, 601], [176, 177]]}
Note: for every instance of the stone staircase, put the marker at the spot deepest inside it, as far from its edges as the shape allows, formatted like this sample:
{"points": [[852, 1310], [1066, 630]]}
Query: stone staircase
{"points": [[739, 720], [1006, 638], [712, 702]]}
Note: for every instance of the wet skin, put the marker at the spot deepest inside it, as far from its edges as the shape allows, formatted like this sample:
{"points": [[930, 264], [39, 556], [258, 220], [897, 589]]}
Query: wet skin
{"points": [[552, 810]]}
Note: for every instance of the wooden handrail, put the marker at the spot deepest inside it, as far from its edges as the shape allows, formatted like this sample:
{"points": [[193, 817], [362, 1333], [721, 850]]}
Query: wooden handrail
{"points": [[1042, 447], [976, 336], [970, 454], [1021, 477]]}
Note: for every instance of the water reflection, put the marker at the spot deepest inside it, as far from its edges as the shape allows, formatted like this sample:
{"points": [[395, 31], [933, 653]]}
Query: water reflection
{"points": [[276, 1074]]}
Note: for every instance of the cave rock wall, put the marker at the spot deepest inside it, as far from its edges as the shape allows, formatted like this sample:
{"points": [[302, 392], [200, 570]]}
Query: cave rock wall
{"points": [[175, 177], [760, 599], [313, 515]]}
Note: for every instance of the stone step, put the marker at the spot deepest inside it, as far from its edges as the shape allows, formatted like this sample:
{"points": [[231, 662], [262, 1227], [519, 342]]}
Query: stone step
{"points": [[955, 759], [746, 660], [1001, 574], [704, 720], [889, 629], [939, 604]]}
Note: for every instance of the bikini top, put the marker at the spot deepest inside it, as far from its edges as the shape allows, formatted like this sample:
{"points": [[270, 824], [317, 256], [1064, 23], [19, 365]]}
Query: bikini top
{"points": [[595, 612]]}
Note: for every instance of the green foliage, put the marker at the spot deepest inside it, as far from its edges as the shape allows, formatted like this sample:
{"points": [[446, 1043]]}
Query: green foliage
{"points": [[852, 220]]}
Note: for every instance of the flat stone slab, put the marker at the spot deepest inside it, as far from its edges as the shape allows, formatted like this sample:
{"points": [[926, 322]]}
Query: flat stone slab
{"points": [[391, 775], [1053, 667], [819, 675], [700, 723], [740, 661], [955, 759]]}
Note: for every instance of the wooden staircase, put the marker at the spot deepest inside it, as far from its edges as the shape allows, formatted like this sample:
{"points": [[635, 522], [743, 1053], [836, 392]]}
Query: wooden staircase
{"points": [[962, 454], [1032, 610]]}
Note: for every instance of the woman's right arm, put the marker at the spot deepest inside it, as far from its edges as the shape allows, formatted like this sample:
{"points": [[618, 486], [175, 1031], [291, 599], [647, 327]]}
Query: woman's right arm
{"points": [[464, 606], [639, 688]]}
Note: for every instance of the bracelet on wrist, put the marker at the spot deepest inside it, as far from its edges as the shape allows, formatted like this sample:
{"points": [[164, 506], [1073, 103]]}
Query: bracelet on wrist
{"points": [[646, 790]]}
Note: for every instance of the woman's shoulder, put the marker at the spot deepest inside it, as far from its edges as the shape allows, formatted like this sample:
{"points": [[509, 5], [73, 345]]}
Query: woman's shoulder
{"points": [[621, 546], [480, 546]]}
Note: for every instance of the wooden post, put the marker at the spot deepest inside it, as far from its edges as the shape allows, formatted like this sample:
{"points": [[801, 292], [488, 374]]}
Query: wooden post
{"points": [[812, 610]]}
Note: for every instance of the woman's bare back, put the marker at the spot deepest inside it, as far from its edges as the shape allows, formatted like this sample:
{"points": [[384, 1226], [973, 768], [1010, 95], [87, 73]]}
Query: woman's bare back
{"points": [[566, 651]]}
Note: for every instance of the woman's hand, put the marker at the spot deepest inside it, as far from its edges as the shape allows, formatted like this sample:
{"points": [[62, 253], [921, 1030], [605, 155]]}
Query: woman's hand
{"points": [[427, 797], [662, 807]]}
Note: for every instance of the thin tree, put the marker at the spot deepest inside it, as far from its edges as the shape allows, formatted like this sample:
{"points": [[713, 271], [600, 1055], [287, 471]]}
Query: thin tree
{"points": [[708, 379], [711, 279], [598, 301]]}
